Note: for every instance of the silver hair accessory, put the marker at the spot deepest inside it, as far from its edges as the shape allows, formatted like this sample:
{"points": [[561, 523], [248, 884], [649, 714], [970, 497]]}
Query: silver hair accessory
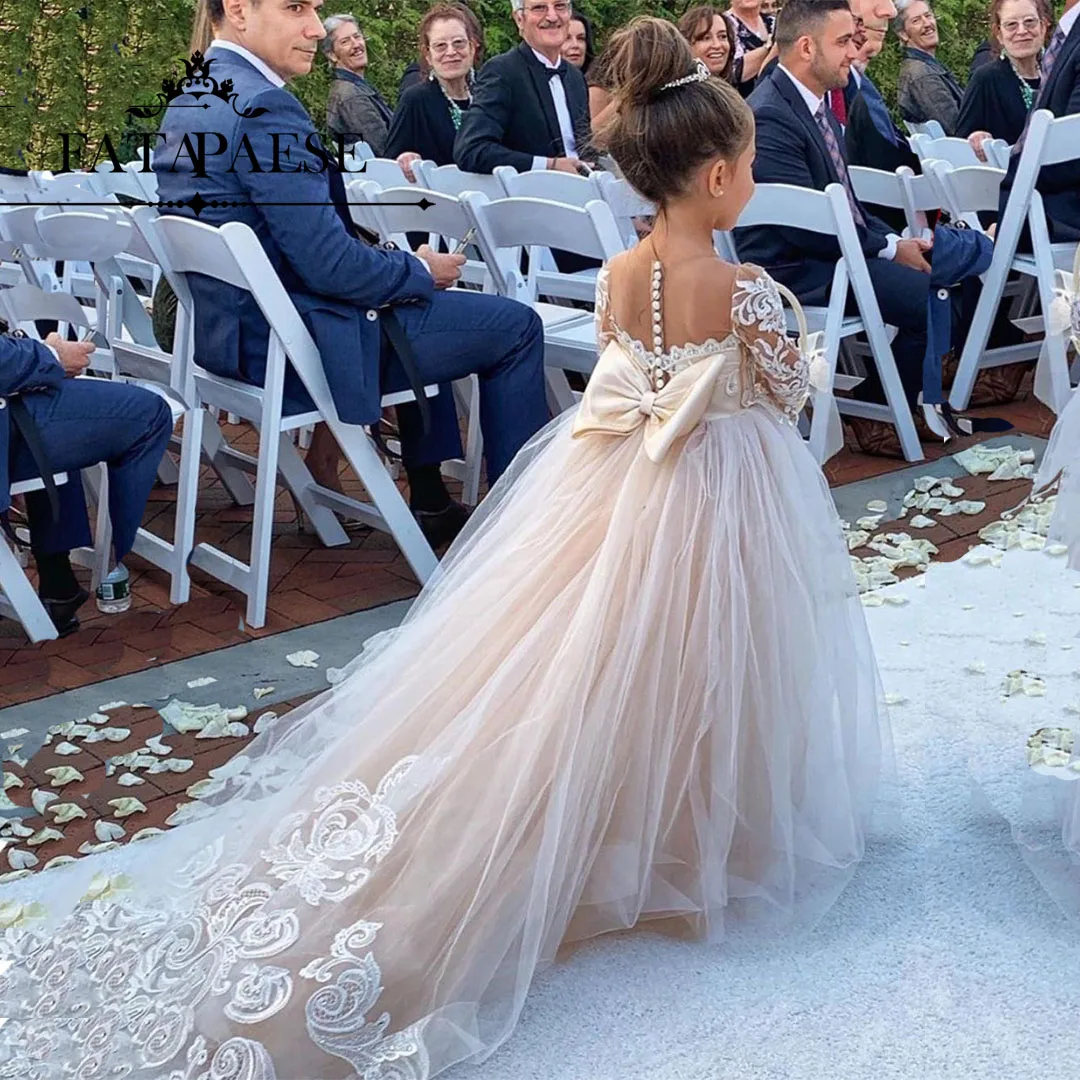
{"points": [[699, 74]]}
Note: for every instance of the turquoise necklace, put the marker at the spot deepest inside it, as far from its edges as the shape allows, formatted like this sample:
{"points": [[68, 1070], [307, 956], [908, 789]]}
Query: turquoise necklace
{"points": [[456, 111], [1027, 91]]}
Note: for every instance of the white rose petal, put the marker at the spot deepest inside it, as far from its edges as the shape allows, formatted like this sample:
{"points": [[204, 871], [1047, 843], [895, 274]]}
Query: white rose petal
{"points": [[129, 780], [921, 521], [65, 812], [14, 733], [176, 765], [206, 680], [40, 798], [334, 675], [59, 860], [145, 834], [11, 780], [1056, 549], [87, 848], [126, 806], [872, 600], [17, 828], [109, 734], [877, 506], [65, 749], [262, 691], [107, 831], [63, 775], [44, 836], [303, 658], [21, 860], [113, 705], [264, 722]]}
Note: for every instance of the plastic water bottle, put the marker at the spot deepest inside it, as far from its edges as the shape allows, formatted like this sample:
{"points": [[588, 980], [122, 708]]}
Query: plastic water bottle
{"points": [[114, 592]]}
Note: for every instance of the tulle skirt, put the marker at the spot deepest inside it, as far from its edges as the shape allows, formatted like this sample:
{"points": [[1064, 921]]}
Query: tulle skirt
{"points": [[637, 694]]}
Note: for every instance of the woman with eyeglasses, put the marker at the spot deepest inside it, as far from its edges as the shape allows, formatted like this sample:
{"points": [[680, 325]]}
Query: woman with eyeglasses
{"points": [[1002, 93], [925, 88], [428, 115]]}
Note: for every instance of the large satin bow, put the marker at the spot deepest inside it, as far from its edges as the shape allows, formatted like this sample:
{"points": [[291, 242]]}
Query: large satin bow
{"points": [[620, 400]]}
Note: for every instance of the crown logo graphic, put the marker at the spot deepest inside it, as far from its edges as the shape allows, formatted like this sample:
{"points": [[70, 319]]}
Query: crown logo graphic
{"points": [[197, 83]]}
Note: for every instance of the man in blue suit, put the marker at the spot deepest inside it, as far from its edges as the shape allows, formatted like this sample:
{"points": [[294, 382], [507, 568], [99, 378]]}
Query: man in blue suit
{"points": [[373, 313], [51, 422], [799, 141]]}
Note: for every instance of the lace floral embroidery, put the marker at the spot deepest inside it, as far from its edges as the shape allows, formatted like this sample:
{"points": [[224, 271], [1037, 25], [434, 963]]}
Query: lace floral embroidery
{"points": [[777, 374], [115, 989]]}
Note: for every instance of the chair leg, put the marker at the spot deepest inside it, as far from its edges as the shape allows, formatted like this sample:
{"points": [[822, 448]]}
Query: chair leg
{"points": [[22, 599], [1052, 381], [560, 396], [234, 479], [979, 331], [361, 455], [96, 483], [262, 529], [187, 494], [297, 478], [474, 447]]}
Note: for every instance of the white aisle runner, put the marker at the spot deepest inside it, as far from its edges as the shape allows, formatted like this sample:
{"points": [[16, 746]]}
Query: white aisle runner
{"points": [[943, 959]]}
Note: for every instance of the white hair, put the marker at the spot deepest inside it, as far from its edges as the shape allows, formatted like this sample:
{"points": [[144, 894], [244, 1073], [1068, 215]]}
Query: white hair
{"points": [[901, 8], [517, 5], [331, 24]]}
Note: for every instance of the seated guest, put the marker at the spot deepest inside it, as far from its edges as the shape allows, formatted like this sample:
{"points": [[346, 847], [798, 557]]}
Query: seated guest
{"points": [[799, 141], [417, 71], [753, 42], [355, 110], [712, 37], [381, 319], [579, 47], [871, 137], [530, 107], [428, 116], [1059, 185], [53, 422], [1002, 93], [925, 88]]}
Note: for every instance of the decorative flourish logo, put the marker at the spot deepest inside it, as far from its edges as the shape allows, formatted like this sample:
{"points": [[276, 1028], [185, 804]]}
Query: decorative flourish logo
{"points": [[198, 83]]}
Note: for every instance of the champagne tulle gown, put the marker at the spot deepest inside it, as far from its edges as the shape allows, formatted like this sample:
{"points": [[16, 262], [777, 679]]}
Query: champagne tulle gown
{"points": [[641, 693]]}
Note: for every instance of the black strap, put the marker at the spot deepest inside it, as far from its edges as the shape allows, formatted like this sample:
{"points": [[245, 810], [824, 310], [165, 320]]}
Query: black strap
{"points": [[404, 350], [24, 422]]}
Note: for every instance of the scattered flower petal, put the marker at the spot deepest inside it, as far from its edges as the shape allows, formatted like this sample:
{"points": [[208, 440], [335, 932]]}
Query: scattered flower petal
{"points": [[87, 848], [206, 680], [262, 691], [21, 860], [264, 722], [40, 798], [44, 836], [129, 780], [126, 806], [108, 830], [63, 775], [303, 658], [65, 812], [65, 749]]}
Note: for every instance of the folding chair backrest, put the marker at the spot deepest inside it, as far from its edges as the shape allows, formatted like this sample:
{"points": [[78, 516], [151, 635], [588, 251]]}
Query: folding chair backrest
{"points": [[877, 186], [18, 225], [956, 152], [18, 188], [444, 215], [997, 153], [786, 204], [450, 180], [106, 182], [626, 204], [554, 186], [73, 188], [968, 191], [359, 151], [1062, 140], [383, 171], [88, 235], [25, 304], [931, 128]]}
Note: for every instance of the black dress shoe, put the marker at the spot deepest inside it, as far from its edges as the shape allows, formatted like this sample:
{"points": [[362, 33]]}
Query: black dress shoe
{"points": [[62, 612], [441, 526]]}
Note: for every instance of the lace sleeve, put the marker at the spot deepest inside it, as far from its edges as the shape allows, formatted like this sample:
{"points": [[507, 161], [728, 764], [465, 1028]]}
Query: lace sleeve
{"points": [[605, 328], [777, 372]]}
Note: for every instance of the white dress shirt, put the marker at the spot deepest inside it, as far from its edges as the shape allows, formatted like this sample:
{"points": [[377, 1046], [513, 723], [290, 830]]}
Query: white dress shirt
{"points": [[1068, 20], [251, 58], [813, 103], [562, 112]]}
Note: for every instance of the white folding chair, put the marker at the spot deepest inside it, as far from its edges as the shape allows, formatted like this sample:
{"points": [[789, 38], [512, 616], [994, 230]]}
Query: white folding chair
{"points": [[957, 152], [450, 180], [997, 153], [558, 187], [829, 214], [383, 171], [395, 212], [233, 254], [504, 227], [900, 190], [626, 204], [931, 128], [1049, 141], [18, 598]]}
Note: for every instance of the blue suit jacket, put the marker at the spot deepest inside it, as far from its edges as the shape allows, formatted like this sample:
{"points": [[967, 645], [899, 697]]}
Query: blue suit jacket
{"points": [[336, 280], [792, 150], [25, 365]]}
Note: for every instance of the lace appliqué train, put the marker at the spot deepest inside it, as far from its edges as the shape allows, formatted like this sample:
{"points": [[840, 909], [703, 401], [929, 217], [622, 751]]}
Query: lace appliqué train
{"points": [[116, 988]]}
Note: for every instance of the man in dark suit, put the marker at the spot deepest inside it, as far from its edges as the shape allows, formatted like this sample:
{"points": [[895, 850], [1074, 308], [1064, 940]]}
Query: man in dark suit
{"points": [[799, 141], [530, 107], [51, 422], [1059, 185], [373, 313]]}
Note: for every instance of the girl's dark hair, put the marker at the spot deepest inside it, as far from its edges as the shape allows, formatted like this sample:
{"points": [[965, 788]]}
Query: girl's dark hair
{"points": [[697, 22], [1042, 8], [660, 137], [590, 40], [464, 14]]}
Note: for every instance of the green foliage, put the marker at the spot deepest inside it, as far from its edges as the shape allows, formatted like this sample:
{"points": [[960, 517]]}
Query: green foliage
{"points": [[77, 65]]}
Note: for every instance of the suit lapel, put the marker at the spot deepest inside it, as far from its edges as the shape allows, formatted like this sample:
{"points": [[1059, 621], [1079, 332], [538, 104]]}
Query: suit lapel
{"points": [[541, 78], [1072, 42], [787, 91]]}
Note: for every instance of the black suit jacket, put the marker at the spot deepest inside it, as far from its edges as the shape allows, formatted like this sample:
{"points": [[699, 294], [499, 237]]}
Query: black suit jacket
{"points": [[1059, 185], [791, 150], [512, 118], [422, 123]]}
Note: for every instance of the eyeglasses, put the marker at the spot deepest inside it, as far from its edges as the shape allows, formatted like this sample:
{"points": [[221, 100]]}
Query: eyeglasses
{"points": [[1014, 26], [538, 11], [441, 48]]}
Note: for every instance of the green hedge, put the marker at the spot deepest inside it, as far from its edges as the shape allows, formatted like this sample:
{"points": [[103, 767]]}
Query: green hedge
{"points": [[76, 65]]}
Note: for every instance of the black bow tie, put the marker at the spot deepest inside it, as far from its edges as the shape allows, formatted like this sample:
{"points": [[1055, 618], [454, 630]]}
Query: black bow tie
{"points": [[560, 70]]}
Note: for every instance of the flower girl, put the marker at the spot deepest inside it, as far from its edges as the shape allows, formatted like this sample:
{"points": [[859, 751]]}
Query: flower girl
{"points": [[640, 693]]}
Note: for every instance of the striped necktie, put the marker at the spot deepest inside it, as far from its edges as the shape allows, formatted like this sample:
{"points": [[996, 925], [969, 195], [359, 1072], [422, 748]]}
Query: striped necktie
{"points": [[839, 164]]}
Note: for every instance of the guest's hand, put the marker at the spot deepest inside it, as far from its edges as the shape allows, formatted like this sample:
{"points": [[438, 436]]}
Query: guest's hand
{"points": [[911, 253], [74, 355], [445, 269], [405, 161], [566, 164], [976, 140]]}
